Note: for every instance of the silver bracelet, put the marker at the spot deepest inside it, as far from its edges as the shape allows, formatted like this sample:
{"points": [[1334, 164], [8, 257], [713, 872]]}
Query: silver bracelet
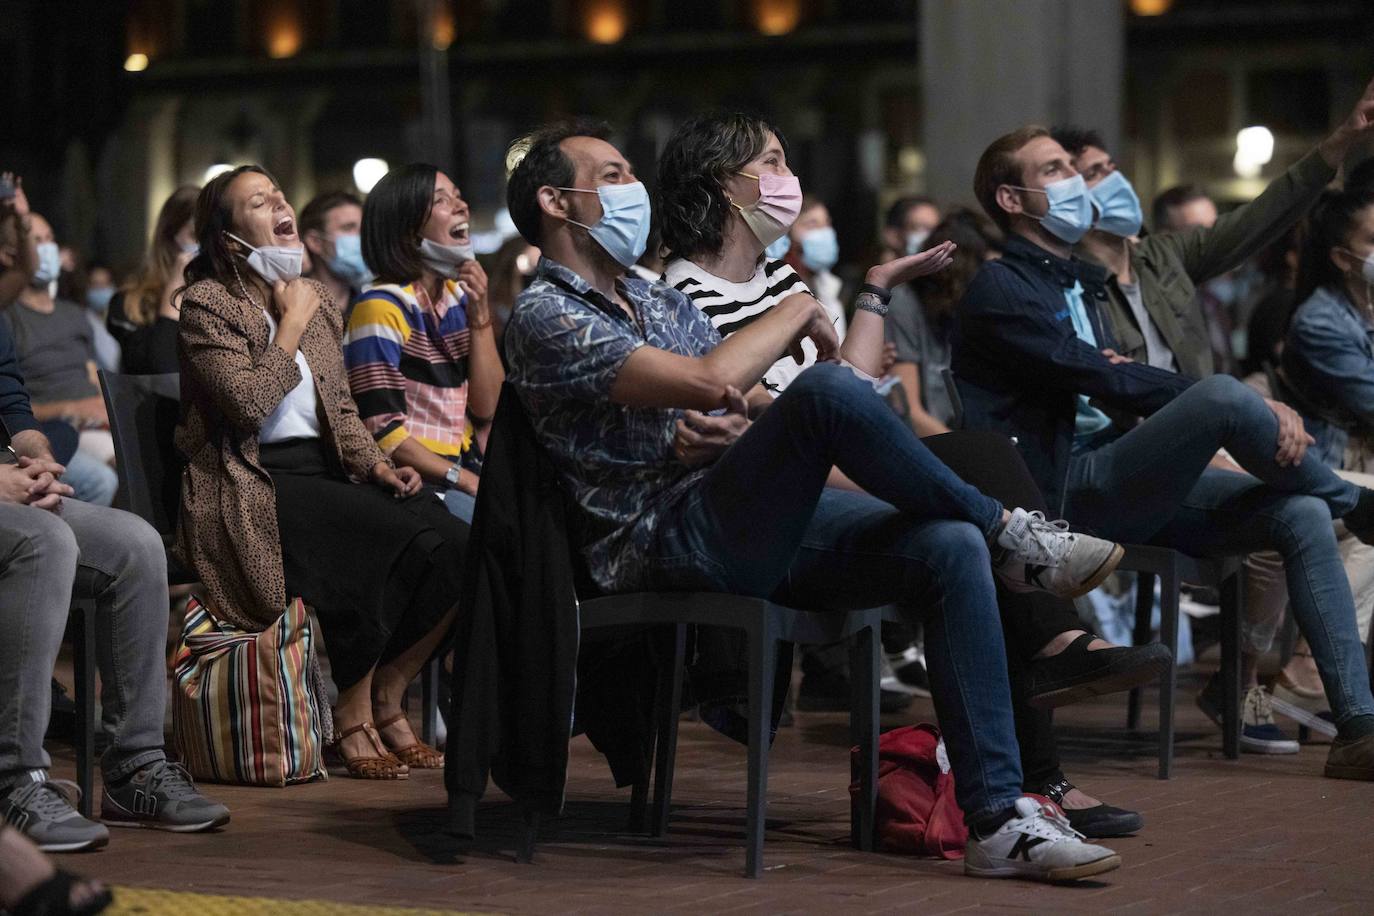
{"points": [[869, 302]]}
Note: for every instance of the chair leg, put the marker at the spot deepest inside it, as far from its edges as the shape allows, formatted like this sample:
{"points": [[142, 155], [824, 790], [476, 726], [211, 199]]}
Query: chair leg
{"points": [[83, 669], [1168, 634], [429, 691], [763, 647], [863, 727], [666, 751], [1232, 613], [1144, 608]]}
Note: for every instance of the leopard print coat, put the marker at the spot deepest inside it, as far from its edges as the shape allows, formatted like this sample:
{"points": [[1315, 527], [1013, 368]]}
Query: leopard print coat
{"points": [[231, 381]]}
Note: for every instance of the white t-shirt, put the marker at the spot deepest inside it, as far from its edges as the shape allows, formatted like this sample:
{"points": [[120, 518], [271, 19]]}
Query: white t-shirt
{"points": [[731, 306], [1157, 352], [296, 417]]}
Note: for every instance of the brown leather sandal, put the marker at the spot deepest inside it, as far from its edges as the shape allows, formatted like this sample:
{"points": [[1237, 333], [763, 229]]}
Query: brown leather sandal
{"points": [[384, 766], [419, 756]]}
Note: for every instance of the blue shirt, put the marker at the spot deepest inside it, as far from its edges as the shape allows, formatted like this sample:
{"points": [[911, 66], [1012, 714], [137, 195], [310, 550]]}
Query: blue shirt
{"points": [[1328, 361], [1088, 420], [565, 344]]}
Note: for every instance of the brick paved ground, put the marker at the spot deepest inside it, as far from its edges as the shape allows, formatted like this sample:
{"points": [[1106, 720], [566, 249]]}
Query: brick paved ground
{"points": [[1259, 835]]}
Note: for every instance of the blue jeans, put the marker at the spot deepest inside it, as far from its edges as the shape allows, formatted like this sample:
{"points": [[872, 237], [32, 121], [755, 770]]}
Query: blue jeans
{"points": [[461, 505], [1153, 486], [763, 523], [94, 481]]}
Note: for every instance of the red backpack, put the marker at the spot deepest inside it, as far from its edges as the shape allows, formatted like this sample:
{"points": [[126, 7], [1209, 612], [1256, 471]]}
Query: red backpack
{"points": [[917, 813]]}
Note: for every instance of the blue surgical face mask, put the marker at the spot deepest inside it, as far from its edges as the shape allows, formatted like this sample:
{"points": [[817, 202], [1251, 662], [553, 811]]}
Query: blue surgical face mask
{"points": [[778, 250], [623, 230], [191, 248], [1070, 214], [98, 298], [49, 264], [820, 248], [348, 264], [915, 239], [1120, 207]]}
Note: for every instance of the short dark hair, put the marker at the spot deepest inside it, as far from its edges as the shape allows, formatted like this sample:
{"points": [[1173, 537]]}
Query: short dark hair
{"points": [[1076, 139], [215, 217], [316, 212], [696, 161], [896, 214], [1177, 196], [543, 163], [1332, 220], [998, 166], [395, 213]]}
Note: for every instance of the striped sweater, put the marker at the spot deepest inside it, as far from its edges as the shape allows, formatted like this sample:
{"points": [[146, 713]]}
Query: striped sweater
{"points": [[407, 362]]}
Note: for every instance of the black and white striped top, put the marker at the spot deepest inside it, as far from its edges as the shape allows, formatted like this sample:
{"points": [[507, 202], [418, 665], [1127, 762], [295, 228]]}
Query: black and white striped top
{"points": [[731, 306]]}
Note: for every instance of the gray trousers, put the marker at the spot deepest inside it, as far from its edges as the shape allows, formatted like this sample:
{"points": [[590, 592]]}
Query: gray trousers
{"points": [[96, 552]]}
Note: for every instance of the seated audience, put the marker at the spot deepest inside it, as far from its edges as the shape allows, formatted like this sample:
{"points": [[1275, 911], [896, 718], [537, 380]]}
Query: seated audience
{"points": [[512, 269], [144, 314], [57, 361], [1034, 315], [715, 246], [1327, 374], [908, 223], [286, 493], [19, 255], [420, 352], [99, 291], [55, 547], [921, 320], [1150, 309], [813, 250], [331, 226], [606, 365]]}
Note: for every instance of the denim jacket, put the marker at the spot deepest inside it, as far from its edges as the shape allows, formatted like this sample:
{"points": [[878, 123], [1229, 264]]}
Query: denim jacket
{"points": [[1019, 364], [1327, 371]]}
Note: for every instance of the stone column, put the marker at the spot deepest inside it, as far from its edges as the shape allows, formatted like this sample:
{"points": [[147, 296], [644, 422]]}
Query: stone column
{"points": [[989, 66]]}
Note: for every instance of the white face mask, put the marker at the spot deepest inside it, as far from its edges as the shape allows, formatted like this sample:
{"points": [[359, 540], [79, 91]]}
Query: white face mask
{"points": [[273, 262], [1366, 265], [915, 239], [444, 260]]}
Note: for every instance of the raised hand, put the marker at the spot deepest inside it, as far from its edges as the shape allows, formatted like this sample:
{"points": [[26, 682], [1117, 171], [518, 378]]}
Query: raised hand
{"points": [[1359, 122], [902, 270]]}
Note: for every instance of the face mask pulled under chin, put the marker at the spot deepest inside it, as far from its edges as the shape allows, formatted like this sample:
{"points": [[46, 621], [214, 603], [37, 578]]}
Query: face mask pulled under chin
{"points": [[273, 262], [445, 260]]}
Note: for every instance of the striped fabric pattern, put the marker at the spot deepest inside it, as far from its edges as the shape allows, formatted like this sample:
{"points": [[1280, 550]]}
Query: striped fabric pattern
{"points": [[407, 361], [242, 708]]}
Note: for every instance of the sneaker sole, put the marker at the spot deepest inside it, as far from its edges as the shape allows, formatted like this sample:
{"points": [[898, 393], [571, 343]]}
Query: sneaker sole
{"points": [[170, 828], [1271, 748], [76, 846], [1097, 577], [1111, 682], [1304, 717], [1034, 873]]}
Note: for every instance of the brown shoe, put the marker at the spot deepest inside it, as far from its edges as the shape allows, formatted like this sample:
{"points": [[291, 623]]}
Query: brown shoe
{"points": [[384, 765], [417, 756], [1351, 759]]}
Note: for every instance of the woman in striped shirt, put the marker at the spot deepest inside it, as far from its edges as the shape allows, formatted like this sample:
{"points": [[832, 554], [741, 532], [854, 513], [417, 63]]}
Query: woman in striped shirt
{"points": [[421, 354]]}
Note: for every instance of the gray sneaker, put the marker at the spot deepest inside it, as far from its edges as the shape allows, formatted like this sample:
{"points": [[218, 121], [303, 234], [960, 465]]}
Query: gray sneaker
{"points": [[44, 810], [161, 796], [1033, 554]]}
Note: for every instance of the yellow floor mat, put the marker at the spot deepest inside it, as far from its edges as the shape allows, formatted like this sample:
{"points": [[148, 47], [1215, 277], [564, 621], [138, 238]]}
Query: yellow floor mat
{"points": [[147, 901]]}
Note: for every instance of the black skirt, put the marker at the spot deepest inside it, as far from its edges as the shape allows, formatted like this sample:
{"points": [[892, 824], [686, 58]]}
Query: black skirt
{"points": [[380, 572]]}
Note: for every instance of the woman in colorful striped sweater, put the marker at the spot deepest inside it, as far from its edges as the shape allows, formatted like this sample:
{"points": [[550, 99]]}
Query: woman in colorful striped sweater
{"points": [[420, 350]]}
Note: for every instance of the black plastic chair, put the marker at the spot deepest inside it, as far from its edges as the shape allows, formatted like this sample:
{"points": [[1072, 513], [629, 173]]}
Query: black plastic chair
{"points": [[765, 625], [81, 629], [1173, 569]]}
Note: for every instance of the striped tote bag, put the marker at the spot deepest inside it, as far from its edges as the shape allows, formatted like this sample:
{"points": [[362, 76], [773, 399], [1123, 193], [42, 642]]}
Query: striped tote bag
{"points": [[243, 710]]}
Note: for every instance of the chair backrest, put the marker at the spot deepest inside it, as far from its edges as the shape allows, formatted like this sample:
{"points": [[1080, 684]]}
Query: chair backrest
{"points": [[955, 401], [143, 412]]}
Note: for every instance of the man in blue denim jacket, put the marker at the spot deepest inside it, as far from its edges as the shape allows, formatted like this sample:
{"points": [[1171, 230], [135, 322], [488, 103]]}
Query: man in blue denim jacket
{"points": [[1035, 359], [606, 365]]}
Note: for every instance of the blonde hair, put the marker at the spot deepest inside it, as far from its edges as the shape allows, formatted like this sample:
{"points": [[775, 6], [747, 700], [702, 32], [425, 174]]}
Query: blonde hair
{"points": [[143, 292]]}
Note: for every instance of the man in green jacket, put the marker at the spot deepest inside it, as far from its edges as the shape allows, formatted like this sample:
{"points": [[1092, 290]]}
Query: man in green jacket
{"points": [[1157, 318], [1152, 283]]}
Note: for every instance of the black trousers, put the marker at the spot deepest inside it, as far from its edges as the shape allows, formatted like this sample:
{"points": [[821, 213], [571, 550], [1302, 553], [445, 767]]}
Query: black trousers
{"points": [[990, 462]]}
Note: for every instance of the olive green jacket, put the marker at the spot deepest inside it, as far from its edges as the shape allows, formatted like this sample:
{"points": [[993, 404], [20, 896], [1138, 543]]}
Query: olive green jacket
{"points": [[1169, 265]]}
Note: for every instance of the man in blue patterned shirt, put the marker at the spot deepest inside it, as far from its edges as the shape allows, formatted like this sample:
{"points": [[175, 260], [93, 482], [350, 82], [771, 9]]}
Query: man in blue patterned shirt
{"points": [[607, 366]]}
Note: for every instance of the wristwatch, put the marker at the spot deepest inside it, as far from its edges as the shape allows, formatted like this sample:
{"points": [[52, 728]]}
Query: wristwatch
{"points": [[451, 475]]}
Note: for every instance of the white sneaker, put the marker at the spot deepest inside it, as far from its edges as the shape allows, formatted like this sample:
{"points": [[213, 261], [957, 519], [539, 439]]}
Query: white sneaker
{"points": [[1039, 555], [1038, 844]]}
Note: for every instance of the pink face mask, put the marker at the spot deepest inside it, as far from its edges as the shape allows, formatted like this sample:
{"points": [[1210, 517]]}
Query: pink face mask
{"points": [[779, 203]]}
